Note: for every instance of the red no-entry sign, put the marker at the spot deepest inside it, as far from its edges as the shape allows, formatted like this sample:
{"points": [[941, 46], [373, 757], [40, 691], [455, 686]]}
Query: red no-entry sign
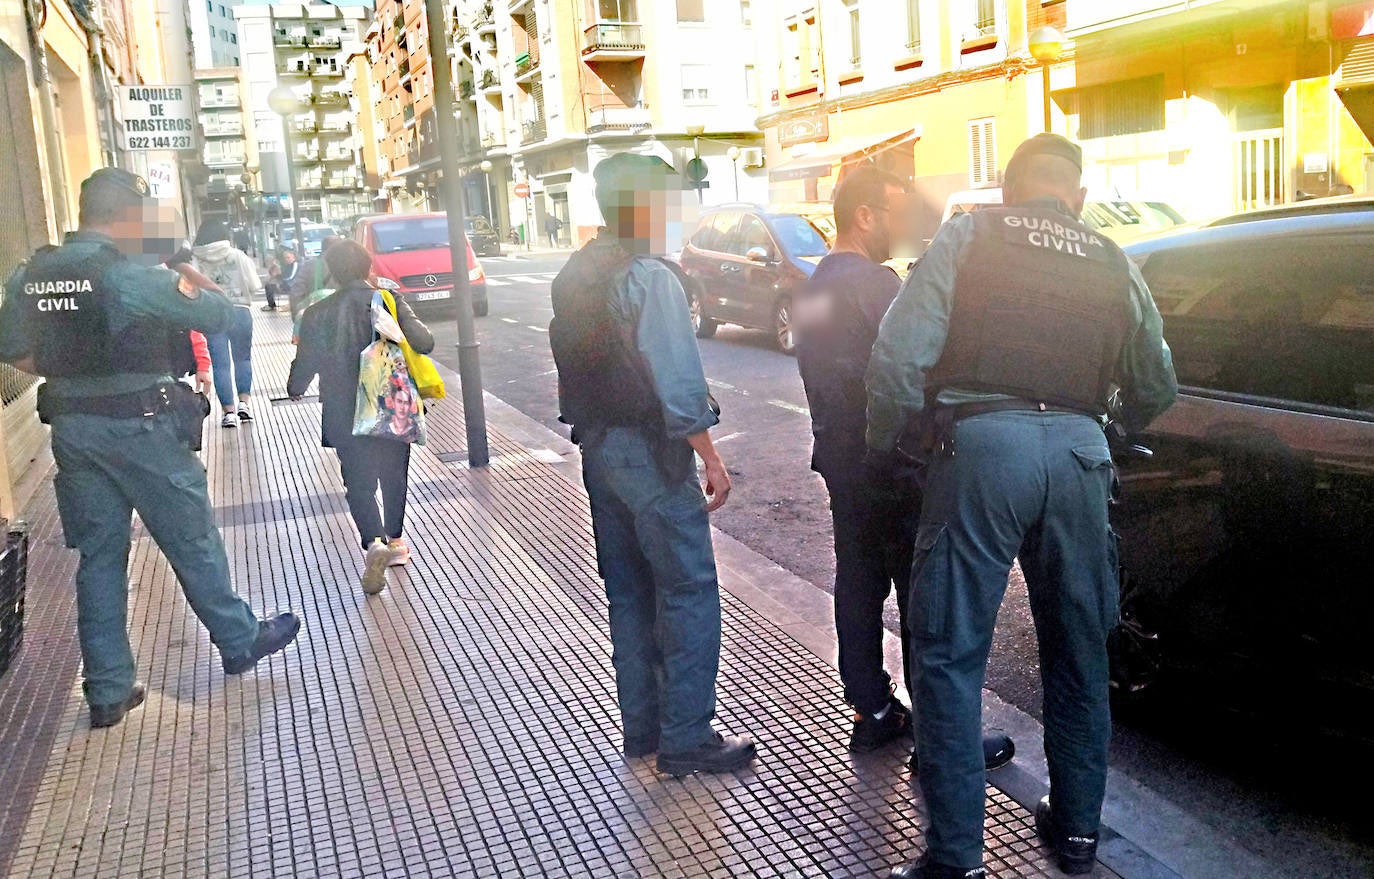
{"points": [[522, 190]]}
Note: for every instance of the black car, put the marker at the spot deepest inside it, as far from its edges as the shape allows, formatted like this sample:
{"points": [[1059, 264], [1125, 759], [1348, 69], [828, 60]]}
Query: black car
{"points": [[1247, 540], [484, 239], [743, 265]]}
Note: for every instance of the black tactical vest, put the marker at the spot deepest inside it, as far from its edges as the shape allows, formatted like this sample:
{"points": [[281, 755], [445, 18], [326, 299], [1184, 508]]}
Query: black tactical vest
{"points": [[63, 296], [1042, 309], [603, 380]]}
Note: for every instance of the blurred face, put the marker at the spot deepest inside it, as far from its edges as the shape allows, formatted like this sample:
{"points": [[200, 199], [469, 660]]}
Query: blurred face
{"points": [[289, 256], [885, 228], [147, 233], [654, 221]]}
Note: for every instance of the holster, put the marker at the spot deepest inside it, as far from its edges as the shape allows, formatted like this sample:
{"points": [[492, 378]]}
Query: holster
{"points": [[187, 407]]}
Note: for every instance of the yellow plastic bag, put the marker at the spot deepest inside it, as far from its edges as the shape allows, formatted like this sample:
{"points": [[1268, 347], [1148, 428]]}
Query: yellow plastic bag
{"points": [[422, 369]]}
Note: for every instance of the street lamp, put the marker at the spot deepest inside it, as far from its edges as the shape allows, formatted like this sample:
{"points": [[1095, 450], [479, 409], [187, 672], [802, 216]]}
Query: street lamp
{"points": [[1046, 46], [282, 100], [254, 200], [733, 154], [491, 195]]}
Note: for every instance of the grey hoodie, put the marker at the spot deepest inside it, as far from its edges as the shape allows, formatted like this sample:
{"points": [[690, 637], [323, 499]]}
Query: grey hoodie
{"points": [[231, 269]]}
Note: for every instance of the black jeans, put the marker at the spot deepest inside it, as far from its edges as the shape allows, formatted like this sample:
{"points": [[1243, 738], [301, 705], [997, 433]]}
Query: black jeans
{"points": [[875, 524], [271, 288], [367, 462]]}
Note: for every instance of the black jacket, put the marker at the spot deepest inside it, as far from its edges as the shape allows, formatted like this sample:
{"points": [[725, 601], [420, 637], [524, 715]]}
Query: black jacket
{"points": [[334, 332]]}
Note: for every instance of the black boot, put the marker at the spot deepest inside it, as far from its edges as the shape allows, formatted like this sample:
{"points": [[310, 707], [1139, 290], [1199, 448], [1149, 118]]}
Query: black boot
{"points": [[720, 754], [273, 635], [108, 715], [1075, 855], [925, 868], [870, 732], [998, 749]]}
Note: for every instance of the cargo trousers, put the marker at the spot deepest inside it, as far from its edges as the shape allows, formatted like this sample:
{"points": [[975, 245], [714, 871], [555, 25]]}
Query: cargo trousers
{"points": [[1033, 485], [108, 468], [653, 548]]}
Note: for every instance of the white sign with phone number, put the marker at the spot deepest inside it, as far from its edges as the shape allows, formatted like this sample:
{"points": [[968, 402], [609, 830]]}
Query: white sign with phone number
{"points": [[157, 117]]}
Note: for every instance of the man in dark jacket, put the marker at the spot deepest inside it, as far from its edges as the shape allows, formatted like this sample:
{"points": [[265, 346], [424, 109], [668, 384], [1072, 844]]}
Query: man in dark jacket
{"points": [[333, 334]]}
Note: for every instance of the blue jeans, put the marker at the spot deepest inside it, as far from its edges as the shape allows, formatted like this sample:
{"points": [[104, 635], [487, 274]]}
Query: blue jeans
{"points": [[653, 547], [1033, 485], [107, 468], [231, 357]]}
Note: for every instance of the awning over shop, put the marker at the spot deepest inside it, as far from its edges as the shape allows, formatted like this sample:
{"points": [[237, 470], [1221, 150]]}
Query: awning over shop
{"points": [[845, 151]]}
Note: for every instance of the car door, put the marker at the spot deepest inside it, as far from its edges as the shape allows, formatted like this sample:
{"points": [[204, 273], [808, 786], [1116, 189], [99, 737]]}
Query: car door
{"points": [[1248, 531], [702, 259], [756, 261]]}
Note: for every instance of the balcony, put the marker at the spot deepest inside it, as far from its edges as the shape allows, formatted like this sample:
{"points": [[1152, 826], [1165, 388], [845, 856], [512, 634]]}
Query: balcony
{"points": [[334, 127], [466, 90], [305, 128], [212, 102], [486, 23], [333, 157], [613, 41], [326, 42], [533, 132], [224, 160], [330, 99], [526, 68], [288, 40], [618, 119], [408, 115], [298, 68], [404, 70], [491, 83], [223, 130]]}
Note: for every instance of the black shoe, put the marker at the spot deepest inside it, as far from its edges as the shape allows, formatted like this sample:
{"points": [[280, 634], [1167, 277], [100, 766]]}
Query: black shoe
{"points": [[998, 749], [721, 754], [643, 746], [870, 733], [273, 635], [1075, 855], [925, 868], [108, 715]]}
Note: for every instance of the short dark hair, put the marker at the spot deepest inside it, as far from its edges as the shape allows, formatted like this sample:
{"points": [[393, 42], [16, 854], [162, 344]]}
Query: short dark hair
{"points": [[100, 204], [348, 261], [866, 185], [211, 231]]}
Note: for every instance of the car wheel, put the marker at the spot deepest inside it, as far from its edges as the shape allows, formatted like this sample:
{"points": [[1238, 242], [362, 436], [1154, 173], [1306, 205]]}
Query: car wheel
{"points": [[480, 309], [782, 326], [702, 325]]}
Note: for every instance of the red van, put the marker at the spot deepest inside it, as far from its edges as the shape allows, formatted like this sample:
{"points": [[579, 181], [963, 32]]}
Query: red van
{"points": [[411, 252]]}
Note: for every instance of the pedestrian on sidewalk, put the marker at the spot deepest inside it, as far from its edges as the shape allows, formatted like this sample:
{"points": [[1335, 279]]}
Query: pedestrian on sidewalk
{"points": [[272, 286], [631, 385], [334, 333], [312, 282], [551, 226], [101, 330], [231, 351], [875, 512], [288, 267], [1013, 331]]}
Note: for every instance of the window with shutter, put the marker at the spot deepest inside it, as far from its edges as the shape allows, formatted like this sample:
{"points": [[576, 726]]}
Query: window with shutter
{"points": [[982, 152]]}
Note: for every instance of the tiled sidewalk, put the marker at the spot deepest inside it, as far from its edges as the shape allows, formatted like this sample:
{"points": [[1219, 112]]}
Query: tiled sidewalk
{"points": [[462, 723]]}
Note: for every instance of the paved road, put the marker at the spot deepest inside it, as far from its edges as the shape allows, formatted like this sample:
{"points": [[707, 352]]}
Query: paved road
{"points": [[1294, 804]]}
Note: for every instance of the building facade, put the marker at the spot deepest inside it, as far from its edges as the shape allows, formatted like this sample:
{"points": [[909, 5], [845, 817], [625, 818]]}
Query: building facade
{"points": [[936, 91], [306, 47], [1214, 108], [214, 33]]}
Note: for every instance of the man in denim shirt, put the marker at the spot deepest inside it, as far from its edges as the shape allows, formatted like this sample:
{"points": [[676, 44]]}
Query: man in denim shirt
{"points": [[632, 386]]}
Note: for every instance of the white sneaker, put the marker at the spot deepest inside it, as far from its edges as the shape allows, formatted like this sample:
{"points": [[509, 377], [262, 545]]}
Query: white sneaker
{"points": [[230, 419], [244, 414], [374, 567], [400, 552]]}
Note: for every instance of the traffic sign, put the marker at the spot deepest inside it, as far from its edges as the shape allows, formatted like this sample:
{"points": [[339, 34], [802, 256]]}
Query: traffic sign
{"points": [[696, 169], [522, 190]]}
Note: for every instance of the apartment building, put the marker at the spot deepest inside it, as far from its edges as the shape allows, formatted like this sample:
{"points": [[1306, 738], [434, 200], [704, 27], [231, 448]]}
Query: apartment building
{"points": [[307, 47], [937, 91], [1215, 108], [224, 142], [214, 33]]}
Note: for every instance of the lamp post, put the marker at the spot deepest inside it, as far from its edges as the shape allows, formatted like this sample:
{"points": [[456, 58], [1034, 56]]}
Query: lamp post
{"points": [[1046, 46], [282, 100], [733, 154], [491, 195], [254, 201]]}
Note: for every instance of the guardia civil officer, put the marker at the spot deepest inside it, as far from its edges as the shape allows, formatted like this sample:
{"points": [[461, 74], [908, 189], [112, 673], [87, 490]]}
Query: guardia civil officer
{"points": [[631, 385], [100, 330], [1014, 331], [874, 510]]}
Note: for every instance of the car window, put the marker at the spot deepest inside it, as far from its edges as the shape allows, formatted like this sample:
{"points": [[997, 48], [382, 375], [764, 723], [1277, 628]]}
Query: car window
{"points": [[751, 233], [714, 230], [799, 237], [417, 234], [1291, 319], [479, 224]]}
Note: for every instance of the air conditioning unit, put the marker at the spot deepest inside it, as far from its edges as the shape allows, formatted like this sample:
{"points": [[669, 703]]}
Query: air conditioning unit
{"points": [[752, 157]]}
